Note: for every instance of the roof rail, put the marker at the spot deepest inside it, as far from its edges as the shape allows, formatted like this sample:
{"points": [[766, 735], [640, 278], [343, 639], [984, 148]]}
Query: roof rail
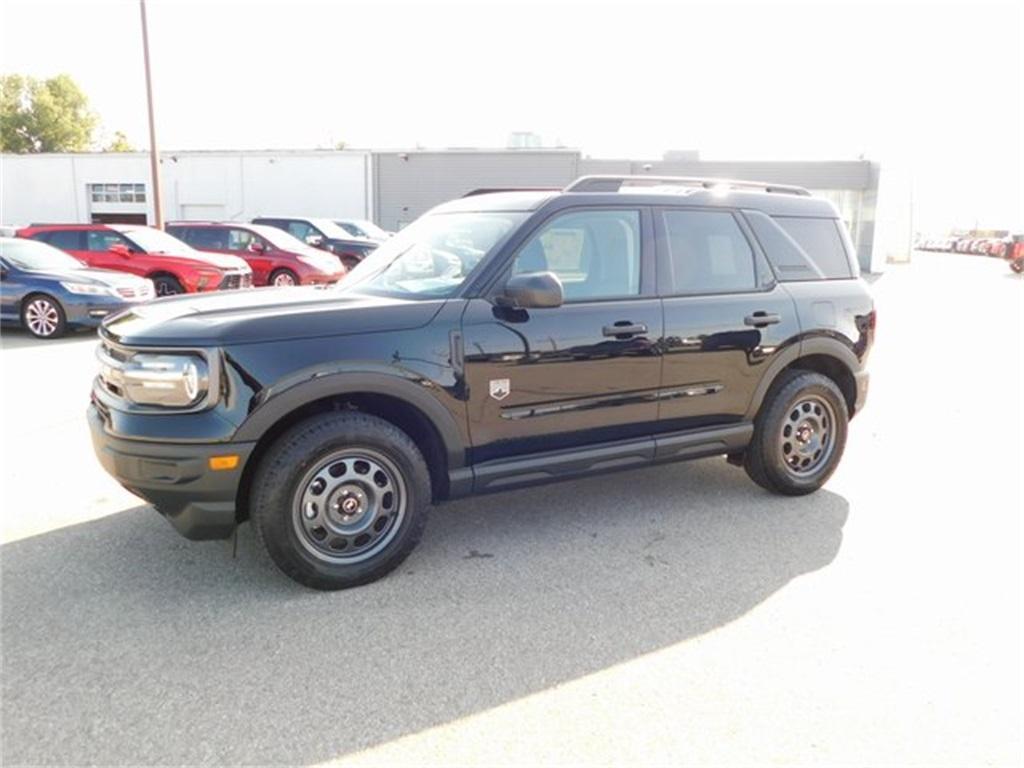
{"points": [[494, 190], [615, 184]]}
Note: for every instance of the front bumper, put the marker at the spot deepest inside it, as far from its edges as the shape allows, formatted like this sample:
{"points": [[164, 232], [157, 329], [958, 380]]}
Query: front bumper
{"points": [[175, 478], [89, 311]]}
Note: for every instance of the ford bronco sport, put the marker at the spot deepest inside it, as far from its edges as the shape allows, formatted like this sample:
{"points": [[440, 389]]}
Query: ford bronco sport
{"points": [[502, 339]]}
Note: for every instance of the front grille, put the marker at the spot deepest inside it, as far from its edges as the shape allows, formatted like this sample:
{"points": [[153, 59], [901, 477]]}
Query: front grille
{"points": [[234, 280]]}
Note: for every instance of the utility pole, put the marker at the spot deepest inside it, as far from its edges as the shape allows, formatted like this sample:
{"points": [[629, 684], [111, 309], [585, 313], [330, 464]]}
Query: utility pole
{"points": [[154, 157]]}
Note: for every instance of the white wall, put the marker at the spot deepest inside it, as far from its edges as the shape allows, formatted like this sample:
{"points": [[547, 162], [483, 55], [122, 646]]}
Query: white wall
{"points": [[216, 185]]}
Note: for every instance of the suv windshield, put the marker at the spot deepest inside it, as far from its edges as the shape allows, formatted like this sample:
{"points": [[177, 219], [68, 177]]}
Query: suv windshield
{"points": [[432, 257], [34, 256], [151, 240]]}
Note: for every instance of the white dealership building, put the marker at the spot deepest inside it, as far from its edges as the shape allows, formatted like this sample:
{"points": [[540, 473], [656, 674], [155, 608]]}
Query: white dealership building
{"points": [[390, 187]]}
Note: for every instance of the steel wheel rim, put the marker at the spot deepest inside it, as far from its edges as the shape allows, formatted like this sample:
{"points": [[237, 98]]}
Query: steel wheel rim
{"points": [[42, 317], [807, 436], [284, 279], [349, 506]]}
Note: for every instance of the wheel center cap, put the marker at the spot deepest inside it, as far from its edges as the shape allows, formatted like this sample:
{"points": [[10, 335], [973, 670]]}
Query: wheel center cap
{"points": [[803, 434], [348, 504]]}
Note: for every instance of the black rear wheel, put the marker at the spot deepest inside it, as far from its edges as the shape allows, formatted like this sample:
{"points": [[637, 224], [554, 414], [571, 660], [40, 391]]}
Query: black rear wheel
{"points": [[799, 435], [340, 499]]}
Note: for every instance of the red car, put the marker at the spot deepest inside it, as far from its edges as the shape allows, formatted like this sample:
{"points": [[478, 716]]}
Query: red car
{"points": [[173, 266], [276, 258]]}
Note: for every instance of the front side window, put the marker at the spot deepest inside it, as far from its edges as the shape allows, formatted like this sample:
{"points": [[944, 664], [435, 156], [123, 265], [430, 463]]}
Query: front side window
{"points": [[708, 253], [206, 238], [240, 239], [432, 257], [101, 240], [301, 230], [596, 254]]}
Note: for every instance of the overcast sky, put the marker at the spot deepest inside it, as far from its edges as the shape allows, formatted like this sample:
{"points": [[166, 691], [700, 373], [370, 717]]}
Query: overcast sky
{"points": [[935, 91]]}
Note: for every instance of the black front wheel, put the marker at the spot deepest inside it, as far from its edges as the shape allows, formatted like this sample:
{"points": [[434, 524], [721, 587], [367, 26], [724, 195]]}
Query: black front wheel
{"points": [[799, 435], [340, 499], [43, 316], [167, 285]]}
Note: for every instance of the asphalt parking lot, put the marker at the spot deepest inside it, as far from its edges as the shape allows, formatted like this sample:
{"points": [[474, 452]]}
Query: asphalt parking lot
{"points": [[662, 615]]}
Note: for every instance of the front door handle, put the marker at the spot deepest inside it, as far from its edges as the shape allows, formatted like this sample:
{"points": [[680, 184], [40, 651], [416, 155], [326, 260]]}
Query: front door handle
{"points": [[624, 329], [760, 319]]}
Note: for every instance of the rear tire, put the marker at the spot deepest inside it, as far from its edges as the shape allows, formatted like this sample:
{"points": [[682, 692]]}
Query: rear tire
{"points": [[1017, 265], [799, 435], [43, 316], [167, 285], [340, 499]]}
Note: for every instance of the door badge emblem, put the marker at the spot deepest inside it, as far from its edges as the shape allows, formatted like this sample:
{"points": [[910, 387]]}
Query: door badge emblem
{"points": [[500, 388]]}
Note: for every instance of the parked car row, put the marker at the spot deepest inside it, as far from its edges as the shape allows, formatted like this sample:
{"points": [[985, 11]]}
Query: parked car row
{"points": [[986, 246], [47, 269]]}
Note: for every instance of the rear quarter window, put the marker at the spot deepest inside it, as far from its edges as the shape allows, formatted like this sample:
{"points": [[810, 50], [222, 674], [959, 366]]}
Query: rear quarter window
{"points": [[802, 248]]}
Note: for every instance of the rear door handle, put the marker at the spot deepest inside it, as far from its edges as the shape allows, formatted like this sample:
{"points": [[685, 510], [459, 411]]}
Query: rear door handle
{"points": [[760, 319], [624, 329]]}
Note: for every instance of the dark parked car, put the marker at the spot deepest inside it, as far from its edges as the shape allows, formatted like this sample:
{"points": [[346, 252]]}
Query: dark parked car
{"points": [[324, 234], [48, 292], [500, 340], [365, 229], [275, 257]]}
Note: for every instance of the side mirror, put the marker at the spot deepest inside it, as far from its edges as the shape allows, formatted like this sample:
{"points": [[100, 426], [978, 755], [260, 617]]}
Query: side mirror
{"points": [[3, 272], [315, 240], [256, 246], [533, 290], [120, 249]]}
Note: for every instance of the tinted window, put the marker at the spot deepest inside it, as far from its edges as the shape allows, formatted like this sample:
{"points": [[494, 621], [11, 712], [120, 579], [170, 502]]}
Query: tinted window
{"points": [[301, 230], [596, 254], [708, 253], [788, 259], [211, 238], [820, 240], [68, 239], [102, 239], [241, 239]]}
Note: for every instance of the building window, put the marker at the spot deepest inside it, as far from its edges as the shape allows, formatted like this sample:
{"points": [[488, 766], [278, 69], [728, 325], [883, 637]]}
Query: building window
{"points": [[117, 193]]}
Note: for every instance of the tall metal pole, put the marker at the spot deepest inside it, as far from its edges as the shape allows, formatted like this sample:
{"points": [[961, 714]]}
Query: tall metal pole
{"points": [[154, 157]]}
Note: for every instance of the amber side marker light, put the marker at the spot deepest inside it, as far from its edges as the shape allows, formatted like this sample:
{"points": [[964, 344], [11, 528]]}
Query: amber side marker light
{"points": [[224, 462]]}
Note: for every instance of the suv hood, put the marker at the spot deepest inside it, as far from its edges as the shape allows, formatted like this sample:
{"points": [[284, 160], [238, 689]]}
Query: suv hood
{"points": [[263, 314]]}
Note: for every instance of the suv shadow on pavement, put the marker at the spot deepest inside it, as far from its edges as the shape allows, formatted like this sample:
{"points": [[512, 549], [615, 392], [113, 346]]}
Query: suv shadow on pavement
{"points": [[125, 644]]}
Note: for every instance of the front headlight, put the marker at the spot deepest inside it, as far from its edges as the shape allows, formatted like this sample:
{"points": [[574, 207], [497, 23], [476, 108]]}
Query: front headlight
{"points": [[147, 378], [88, 289]]}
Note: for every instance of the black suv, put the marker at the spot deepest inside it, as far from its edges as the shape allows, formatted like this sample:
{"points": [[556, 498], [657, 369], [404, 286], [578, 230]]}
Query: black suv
{"points": [[502, 339], [324, 234]]}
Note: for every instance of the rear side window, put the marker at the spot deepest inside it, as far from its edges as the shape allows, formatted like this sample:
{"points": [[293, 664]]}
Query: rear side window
{"points": [[708, 253], [820, 244], [67, 239]]}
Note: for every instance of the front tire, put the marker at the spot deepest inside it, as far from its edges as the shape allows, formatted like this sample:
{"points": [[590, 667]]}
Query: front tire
{"points": [[167, 285], [340, 499], [799, 435], [43, 316], [282, 278]]}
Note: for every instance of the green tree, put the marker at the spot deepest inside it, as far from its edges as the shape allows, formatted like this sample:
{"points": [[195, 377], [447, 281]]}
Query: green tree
{"points": [[119, 143], [49, 115]]}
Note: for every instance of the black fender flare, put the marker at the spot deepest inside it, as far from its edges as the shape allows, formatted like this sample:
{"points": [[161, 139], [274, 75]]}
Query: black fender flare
{"points": [[828, 346], [414, 391]]}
